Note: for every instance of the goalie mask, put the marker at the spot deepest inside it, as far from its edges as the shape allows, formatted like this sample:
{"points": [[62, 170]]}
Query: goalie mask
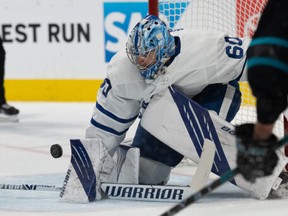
{"points": [[149, 46]]}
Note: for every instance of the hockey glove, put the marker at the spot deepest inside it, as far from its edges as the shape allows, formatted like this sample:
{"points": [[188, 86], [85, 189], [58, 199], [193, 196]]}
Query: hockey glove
{"points": [[255, 158]]}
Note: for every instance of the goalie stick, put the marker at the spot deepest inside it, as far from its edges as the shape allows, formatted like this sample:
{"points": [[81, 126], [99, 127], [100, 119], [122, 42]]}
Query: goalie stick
{"points": [[30, 187], [204, 167], [229, 175], [155, 193], [158, 193]]}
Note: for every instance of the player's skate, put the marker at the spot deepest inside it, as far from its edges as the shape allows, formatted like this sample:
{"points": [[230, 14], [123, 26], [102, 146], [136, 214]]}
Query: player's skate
{"points": [[282, 190], [92, 165], [8, 113]]}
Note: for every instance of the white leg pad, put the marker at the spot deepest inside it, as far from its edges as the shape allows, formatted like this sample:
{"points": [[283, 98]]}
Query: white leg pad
{"points": [[185, 127], [88, 153], [91, 165], [129, 172], [153, 172]]}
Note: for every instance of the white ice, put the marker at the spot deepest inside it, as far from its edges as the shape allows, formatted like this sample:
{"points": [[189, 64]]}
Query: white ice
{"points": [[25, 158]]}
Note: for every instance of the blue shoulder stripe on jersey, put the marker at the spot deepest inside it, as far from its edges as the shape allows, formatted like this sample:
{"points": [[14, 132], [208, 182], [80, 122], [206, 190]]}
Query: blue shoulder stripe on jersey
{"points": [[200, 126], [82, 164], [114, 117], [107, 129], [259, 61], [269, 40]]}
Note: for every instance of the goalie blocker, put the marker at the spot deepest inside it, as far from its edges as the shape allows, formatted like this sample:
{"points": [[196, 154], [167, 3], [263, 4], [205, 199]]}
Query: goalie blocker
{"points": [[183, 125]]}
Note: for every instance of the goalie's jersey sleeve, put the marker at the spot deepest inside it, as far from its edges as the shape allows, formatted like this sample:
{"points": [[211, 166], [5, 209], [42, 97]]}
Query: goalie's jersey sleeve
{"points": [[203, 58]]}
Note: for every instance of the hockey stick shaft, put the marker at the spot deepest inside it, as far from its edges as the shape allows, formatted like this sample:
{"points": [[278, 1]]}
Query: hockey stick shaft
{"points": [[198, 195], [229, 175]]}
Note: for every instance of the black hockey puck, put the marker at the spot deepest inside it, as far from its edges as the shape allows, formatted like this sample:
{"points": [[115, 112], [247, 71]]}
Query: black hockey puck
{"points": [[56, 151]]}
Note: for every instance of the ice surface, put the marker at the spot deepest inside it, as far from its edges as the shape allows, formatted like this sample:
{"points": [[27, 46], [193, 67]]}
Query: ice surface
{"points": [[25, 158]]}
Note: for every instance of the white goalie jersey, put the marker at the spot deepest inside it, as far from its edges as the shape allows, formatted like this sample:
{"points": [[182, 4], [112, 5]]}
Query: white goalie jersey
{"points": [[203, 58]]}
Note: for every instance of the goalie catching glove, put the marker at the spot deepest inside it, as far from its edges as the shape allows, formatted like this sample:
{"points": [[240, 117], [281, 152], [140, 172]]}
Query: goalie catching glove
{"points": [[255, 158]]}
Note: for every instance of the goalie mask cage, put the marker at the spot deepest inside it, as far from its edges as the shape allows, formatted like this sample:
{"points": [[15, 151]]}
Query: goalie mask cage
{"points": [[236, 17]]}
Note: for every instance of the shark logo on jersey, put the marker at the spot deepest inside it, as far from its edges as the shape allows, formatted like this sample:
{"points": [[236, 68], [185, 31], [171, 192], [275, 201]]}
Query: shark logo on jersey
{"points": [[119, 19]]}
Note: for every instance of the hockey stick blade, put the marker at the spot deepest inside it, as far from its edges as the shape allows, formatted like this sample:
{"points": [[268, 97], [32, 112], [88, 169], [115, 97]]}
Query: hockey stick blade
{"points": [[229, 175], [30, 187], [116, 191]]}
